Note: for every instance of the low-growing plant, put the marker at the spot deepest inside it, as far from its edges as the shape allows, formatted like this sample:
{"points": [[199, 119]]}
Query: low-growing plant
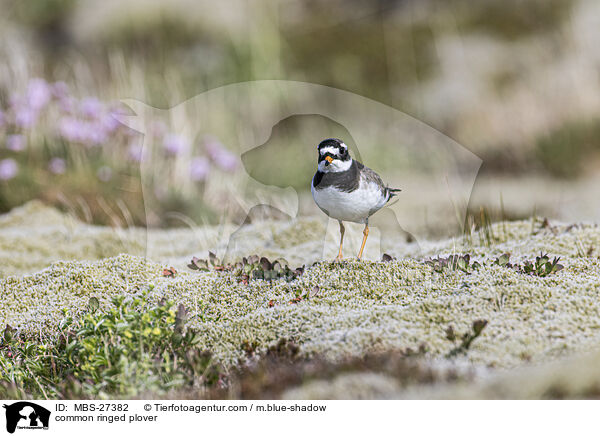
{"points": [[387, 258], [252, 267], [466, 339], [130, 348], [454, 262], [541, 267]]}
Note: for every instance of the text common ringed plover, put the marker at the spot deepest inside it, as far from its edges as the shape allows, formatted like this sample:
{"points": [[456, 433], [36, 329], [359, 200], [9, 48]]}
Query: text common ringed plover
{"points": [[346, 190]]}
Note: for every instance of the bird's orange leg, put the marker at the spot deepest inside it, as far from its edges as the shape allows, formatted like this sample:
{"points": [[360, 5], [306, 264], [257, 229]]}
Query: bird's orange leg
{"points": [[342, 230], [365, 234]]}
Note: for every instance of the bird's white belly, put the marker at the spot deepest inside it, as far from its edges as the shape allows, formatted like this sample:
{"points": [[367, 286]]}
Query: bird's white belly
{"points": [[355, 206]]}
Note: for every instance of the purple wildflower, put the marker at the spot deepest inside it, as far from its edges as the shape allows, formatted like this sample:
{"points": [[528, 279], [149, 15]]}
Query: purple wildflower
{"points": [[15, 142], [104, 174], [8, 169], [135, 152], [75, 130], [71, 129], [95, 134], [38, 94], [199, 168], [57, 165], [220, 155], [174, 144], [60, 90], [91, 107], [67, 104], [110, 121], [25, 116]]}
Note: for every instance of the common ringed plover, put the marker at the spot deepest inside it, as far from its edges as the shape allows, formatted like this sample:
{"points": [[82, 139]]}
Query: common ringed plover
{"points": [[346, 190]]}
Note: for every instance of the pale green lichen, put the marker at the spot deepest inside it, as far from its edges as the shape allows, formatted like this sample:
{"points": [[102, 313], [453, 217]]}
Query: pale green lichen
{"points": [[361, 306], [33, 236]]}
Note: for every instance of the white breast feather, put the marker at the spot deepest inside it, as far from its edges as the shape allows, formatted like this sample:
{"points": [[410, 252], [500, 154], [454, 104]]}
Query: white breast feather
{"points": [[353, 206]]}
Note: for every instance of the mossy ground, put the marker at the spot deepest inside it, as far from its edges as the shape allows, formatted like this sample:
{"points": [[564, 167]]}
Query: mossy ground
{"points": [[361, 307]]}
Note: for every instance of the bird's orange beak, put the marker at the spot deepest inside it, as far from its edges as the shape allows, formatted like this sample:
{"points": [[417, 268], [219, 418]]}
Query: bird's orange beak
{"points": [[329, 159]]}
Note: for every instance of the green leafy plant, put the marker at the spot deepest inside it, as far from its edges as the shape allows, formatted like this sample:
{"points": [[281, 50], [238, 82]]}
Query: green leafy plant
{"points": [[465, 339], [130, 348], [453, 262], [541, 267], [252, 267]]}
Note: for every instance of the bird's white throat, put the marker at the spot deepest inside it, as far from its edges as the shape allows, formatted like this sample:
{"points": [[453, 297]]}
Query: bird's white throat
{"points": [[335, 166]]}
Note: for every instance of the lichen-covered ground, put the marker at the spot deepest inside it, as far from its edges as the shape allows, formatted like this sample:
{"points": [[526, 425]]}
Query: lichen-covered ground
{"points": [[51, 262]]}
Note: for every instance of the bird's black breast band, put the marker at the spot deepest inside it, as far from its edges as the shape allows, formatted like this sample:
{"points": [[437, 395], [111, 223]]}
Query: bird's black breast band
{"points": [[346, 181]]}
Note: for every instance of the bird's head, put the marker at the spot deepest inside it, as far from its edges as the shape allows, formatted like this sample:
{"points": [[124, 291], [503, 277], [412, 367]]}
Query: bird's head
{"points": [[333, 156]]}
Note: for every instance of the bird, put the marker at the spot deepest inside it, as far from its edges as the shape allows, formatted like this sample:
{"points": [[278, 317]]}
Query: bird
{"points": [[346, 190]]}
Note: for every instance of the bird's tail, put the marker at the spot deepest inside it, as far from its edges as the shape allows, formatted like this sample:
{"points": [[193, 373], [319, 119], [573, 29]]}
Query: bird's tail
{"points": [[391, 192]]}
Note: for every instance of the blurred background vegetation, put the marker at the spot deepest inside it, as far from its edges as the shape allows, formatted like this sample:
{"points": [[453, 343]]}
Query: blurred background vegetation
{"points": [[517, 82]]}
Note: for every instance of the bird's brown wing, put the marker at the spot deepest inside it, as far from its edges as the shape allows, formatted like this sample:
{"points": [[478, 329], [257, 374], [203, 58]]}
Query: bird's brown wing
{"points": [[370, 176]]}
